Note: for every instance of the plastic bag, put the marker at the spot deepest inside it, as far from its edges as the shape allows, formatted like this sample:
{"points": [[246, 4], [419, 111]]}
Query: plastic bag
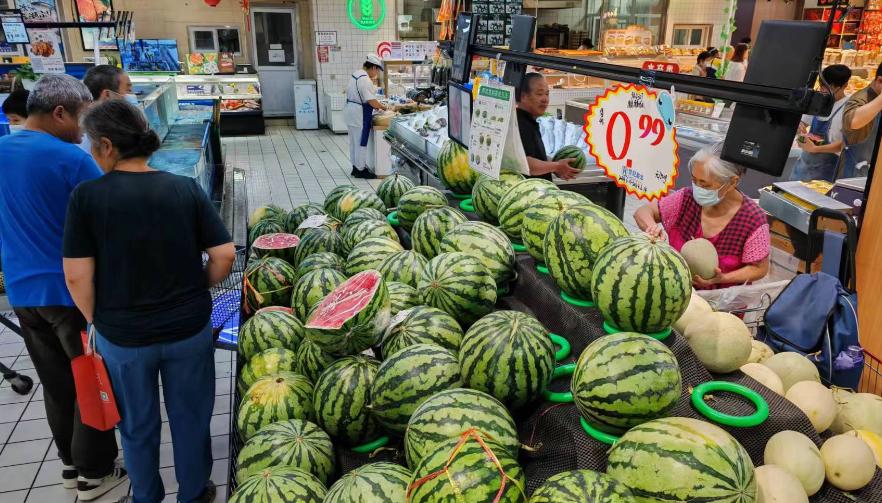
{"points": [[560, 131]]}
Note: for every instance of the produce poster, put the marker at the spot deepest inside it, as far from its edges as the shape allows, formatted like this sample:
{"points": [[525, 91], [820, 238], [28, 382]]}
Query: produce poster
{"points": [[94, 11], [46, 43], [495, 141], [631, 135]]}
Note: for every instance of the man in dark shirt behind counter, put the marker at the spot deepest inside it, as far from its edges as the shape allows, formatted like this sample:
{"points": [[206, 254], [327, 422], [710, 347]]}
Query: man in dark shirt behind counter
{"points": [[532, 102]]}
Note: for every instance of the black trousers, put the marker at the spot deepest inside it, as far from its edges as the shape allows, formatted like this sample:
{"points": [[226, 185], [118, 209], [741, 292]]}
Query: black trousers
{"points": [[52, 337]]}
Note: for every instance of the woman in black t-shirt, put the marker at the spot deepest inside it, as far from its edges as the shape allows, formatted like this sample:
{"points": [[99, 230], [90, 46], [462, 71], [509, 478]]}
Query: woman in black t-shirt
{"points": [[133, 245]]}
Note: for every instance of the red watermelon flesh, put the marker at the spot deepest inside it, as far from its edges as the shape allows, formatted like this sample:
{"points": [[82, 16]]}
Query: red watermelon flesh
{"points": [[346, 301], [265, 244]]}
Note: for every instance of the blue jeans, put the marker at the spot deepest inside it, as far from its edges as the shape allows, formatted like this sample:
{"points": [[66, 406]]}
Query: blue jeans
{"points": [[187, 370]]}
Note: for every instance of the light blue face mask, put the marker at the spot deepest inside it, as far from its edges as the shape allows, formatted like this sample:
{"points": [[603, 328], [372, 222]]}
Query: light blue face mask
{"points": [[16, 128], [132, 99], [705, 197]]}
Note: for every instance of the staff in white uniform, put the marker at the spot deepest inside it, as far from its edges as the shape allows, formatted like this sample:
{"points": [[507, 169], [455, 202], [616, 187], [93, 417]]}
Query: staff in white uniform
{"points": [[361, 101]]}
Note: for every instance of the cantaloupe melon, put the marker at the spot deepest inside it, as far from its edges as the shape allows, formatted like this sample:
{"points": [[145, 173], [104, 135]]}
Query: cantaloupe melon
{"points": [[702, 257], [816, 401], [848, 462], [759, 352], [873, 441], [776, 485], [792, 368], [765, 376], [857, 411], [721, 341], [797, 454], [697, 308]]}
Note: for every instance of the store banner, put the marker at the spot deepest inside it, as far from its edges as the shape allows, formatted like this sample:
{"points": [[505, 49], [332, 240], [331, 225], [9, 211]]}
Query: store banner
{"points": [[631, 135], [495, 142]]}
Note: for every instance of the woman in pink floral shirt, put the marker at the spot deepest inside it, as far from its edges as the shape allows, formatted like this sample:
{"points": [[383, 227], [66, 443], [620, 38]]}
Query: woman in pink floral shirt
{"points": [[714, 209]]}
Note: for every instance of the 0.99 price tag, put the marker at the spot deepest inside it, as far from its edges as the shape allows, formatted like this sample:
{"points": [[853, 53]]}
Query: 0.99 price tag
{"points": [[631, 135]]}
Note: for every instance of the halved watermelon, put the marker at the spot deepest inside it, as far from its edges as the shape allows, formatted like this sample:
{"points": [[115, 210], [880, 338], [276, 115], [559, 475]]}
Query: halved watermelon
{"points": [[278, 244]]}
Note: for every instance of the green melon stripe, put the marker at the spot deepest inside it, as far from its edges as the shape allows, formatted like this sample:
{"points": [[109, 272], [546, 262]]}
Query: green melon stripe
{"points": [[476, 233], [341, 395], [427, 366], [358, 488], [483, 482]]}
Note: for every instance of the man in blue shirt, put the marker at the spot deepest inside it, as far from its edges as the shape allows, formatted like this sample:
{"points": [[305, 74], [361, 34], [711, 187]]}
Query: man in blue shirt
{"points": [[40, 167]]}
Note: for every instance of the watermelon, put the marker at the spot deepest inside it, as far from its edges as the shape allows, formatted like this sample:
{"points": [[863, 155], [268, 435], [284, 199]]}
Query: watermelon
{"points": [[509, 355], [516, 201], [268, 362], [269, 225], [543, 211], [371, 483], [269, 328], [392, 187], [341, 399], [401, 297], [431, 227], [362, 215], [285, 395], [682, 459], [487, 244], [453, 168], [334, 196], [311, 361], [582, 485], [317, 241], [268, 282], [312, 288], [451, 413], [458, 284], [295, 443], [278, 245], [423, 325], [266, 212], [280, 483], [572, 243], [417, 200], [296, 216], [487, 192], [403, 267], [625, 379], [352, 317], [407, 378], [573, 152], [355, 199], [473, 468], [320, 260], [640, 284], [370, 253], [363, 230]]}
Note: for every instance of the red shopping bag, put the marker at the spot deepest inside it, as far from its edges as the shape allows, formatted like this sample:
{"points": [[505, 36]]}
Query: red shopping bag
{"points": [[94, 393]]}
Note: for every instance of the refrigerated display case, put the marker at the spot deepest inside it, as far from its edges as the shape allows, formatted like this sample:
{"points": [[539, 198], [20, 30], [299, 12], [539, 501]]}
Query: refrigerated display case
{"points": [[239, 96]]}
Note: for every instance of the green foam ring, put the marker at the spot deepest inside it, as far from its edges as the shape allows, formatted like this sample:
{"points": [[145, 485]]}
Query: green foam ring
{"points": [[661, 335], [467, 205], [392, 218], [574, 301], [598, 435], [565, 348], [460, 197], [372, 445], [556, 396], [518, 247], [542, 268], [755, 419], [502, 292]]}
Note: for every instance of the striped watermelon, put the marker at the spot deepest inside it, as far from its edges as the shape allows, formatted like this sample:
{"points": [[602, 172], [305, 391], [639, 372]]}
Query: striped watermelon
{"points": [[321, 260], [354, 200], [370, 253], [285, 395], [572, 152], [572, 243], [296, 216], [682, 459], [362, 215], [317, 241], [582, 485], [625, 379], [353, 317], [640, 285], [458, 284], [311, 361], [295, 443], [473, 468], [269, 225], [268, 362], [269, 328], [279, 245], [453, 168], [341, 399], [543, 211], [417, 200], [516, 201], [371, 483], [392, 187], [509, 355], [363, 230], [264, 212], [334, 196], [423, 325], [403, 267], [487, 192], [268, 282], [451, 413], [401, 297], [407, 378], [431, 227], [281, 483], [312, 288], [487, 244]]}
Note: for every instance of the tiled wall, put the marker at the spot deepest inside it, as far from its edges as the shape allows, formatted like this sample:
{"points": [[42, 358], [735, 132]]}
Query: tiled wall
{"points": [[698, 12]]}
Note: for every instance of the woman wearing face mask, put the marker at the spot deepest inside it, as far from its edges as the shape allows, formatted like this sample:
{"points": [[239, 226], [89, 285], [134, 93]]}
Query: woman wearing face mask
{"points": [[714, 209]]}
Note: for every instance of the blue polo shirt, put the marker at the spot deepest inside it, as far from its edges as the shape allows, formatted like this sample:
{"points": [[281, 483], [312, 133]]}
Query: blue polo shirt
{"points": [[38, 172]]}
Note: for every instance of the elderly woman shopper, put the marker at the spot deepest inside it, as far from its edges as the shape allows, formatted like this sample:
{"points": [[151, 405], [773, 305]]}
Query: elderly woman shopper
{"points": [[714, 209]]}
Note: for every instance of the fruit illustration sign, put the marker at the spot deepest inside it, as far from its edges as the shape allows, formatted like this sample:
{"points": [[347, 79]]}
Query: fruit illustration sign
{"points": [[631, 135], [494, 140]]}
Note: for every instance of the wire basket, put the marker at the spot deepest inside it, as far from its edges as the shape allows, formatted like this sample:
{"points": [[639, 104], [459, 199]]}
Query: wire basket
{"points": [[871, 380], [226, 304]]}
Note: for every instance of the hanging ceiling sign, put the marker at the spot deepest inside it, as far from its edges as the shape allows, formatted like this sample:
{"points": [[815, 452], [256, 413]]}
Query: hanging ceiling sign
{"points": [[366, 14]]}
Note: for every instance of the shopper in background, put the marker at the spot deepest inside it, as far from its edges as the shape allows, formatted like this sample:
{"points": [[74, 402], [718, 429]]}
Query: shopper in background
{"points": [[714, 64], [737, 67], [133, 247], [714, 209], [107, 82], [860, 120], [361, 101], [532, 97], [15, 108], [702, 61], [821, 143], [586, 44], [40, 167]]}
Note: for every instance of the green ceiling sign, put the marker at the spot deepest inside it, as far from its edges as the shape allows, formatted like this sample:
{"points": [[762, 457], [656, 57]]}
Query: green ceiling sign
{"points": [[365, 18]]}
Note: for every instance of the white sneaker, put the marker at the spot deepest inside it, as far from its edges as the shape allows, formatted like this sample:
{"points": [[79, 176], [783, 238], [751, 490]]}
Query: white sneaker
{"points": [[69, 476], [90, 489]]}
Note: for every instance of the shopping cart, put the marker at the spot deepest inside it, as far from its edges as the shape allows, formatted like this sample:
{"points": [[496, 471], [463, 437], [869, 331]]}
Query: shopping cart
{"points": [[226, 302], [20, 383]]}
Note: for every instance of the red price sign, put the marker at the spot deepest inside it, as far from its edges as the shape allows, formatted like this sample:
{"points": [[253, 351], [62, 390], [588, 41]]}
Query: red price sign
{"points": [[631, 135], [661, 66]]}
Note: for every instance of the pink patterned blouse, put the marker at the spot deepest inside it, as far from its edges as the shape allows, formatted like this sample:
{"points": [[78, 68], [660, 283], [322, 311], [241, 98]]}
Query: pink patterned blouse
{"points": [[744, 240]]}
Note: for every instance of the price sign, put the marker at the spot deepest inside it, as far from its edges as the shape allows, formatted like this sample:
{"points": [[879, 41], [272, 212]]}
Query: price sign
{"points": [[661, 66], [313, 222], [631, 135]]}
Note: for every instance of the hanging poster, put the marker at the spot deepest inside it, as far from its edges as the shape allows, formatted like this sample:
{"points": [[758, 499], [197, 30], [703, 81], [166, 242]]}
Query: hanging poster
{"points": [[42, 10], [94, 11], [45, 52]]}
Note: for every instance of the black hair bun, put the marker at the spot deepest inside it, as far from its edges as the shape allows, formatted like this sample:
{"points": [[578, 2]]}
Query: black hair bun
{"points": [[149, 142]]}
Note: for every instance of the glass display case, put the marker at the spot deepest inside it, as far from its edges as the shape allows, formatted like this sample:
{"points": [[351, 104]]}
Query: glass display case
{"points": [[237, 93], [158, 98], [401, 76]]}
